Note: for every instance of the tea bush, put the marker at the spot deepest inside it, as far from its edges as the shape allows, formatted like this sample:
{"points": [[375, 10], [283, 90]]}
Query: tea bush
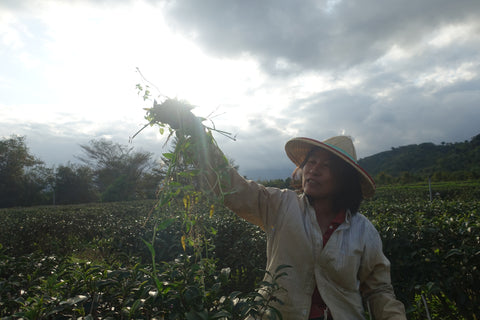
{"points": [[90, 259], [48, 287], [434, 248]]}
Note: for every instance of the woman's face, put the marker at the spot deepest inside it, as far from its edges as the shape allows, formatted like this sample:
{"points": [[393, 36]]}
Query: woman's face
{"points": [[318, 181]]}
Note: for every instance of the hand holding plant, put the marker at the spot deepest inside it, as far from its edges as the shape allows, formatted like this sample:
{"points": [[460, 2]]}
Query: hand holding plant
{"points": [[176, 114]]}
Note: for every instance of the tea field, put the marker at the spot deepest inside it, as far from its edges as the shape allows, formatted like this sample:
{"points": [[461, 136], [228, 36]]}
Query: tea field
{"points": [[128, 260]]}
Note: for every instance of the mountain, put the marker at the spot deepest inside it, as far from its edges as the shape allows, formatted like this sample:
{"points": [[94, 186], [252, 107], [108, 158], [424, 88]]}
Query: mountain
{"points": [[458, 160]]}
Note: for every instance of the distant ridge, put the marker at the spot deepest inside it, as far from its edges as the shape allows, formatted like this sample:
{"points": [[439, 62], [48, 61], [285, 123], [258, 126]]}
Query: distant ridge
{"points": [[461, 160]]}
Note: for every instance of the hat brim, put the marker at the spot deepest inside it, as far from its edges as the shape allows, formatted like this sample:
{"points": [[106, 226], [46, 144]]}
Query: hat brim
{"points": [[297, 150]]}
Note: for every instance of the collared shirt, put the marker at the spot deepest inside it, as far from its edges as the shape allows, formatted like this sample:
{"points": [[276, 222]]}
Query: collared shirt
{"points": [[349, 270]]}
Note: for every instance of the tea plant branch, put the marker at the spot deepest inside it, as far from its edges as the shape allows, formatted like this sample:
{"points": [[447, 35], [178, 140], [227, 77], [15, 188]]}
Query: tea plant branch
{"points": [[147, 81], [197, 172], [193, 147], [426, 307]]}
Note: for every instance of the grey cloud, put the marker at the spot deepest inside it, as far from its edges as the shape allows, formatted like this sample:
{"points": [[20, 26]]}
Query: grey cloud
{"points": [[60, 143], [441, 116], [13, 4], [408, 115], [305, 35], [45, 143], [259, 151]]}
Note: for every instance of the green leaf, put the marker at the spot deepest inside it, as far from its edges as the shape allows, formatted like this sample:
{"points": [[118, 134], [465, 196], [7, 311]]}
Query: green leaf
{"points": [[165, 224], [75, 300], [453, 252], [150, 247], [169, 156]]}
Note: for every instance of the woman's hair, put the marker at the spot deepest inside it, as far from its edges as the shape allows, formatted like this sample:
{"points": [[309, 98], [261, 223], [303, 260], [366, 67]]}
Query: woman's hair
{"points": [[349, 192]]}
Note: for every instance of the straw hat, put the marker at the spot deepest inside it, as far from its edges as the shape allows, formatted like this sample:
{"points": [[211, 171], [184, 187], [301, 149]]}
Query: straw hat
{"points": [[342, 146]]}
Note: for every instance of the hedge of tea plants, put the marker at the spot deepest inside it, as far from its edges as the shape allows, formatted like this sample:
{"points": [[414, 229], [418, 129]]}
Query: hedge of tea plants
{"points": [[434, 248], [115, 261]]}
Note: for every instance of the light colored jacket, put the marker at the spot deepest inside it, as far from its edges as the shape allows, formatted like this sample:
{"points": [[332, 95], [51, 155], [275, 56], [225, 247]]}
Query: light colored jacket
{"points": [[350, 271]]}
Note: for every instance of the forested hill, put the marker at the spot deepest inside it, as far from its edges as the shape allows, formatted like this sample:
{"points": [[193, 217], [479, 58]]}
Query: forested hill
{"points": [[449, 160]]}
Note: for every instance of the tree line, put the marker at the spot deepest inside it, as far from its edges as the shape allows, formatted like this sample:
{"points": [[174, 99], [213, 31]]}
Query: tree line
{"points": [[113, 172], [419, 162], [107, 171]]}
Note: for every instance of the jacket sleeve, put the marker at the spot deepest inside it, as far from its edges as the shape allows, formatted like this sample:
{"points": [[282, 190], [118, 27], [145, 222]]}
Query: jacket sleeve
{"points": [[375, 282], [248, 199]]}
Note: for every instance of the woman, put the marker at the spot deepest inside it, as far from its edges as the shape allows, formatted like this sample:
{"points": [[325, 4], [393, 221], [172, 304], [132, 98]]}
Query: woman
{"points": [[338, 266]]}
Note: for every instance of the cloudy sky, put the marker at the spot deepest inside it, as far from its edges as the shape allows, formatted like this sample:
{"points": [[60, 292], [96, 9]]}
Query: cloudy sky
{"points": [[386, 72]]}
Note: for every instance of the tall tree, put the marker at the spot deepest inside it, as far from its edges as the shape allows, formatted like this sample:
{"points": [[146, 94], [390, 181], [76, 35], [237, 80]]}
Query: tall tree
{"points": [[118, 170], [74, 184], [15, 160], [37, 185]]}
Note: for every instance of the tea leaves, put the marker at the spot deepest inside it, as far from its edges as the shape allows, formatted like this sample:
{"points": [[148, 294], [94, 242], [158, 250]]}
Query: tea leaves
{"points": [[92, 261]]}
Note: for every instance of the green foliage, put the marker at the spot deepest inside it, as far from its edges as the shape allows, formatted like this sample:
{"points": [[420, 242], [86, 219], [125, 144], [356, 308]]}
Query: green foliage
{"points": [[22, 176], [74, 184], [119, 171], [433, 248], [39, 287], [112, 172]]}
